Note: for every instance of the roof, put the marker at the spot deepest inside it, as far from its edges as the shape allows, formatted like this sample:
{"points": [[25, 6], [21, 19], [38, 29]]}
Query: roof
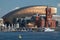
{"points": [[14, 11]]}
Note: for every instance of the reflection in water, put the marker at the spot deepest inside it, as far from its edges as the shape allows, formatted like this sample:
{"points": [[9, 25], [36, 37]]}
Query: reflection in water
{"points": [[29, 35]]}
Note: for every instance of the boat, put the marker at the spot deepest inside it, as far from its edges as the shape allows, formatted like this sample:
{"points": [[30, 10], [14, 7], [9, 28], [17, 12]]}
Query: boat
{"points": [[48, 30]]}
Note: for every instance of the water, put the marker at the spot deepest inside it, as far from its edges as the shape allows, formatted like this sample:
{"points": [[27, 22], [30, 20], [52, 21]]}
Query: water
{"points": [[30, 35]]}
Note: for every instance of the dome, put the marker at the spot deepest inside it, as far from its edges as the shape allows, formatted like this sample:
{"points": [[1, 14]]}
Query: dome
{"points": [[28, 11]]}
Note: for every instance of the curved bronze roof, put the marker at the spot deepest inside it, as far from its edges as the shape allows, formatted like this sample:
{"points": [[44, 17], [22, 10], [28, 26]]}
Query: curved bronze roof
{"points": [[29, 10]]}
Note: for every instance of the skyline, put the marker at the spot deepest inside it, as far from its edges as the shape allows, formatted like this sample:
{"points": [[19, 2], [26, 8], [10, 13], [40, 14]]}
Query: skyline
{"points": [[9, 5]]}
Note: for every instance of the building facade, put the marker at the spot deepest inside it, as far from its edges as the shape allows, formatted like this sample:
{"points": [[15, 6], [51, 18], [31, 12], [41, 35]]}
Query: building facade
{"points": [[32, 17]]}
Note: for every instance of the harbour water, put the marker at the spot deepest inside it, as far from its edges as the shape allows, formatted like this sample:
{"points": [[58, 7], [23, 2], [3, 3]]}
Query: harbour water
{"points": [[30, 35]]}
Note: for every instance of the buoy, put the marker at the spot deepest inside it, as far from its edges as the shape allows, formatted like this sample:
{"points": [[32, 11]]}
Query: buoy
{"points": [[20, 36]]}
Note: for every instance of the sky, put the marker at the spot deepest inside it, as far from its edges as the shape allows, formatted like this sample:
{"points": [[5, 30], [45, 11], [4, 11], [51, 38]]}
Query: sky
{"points": [[9, 5]]}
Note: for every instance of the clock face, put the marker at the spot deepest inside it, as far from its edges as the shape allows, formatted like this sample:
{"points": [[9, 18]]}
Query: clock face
{"points": [[48, 10], [49, 18]]}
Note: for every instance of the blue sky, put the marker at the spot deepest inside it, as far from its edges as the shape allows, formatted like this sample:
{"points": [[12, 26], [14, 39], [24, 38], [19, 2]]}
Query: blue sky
{"points": [[8, 5]]}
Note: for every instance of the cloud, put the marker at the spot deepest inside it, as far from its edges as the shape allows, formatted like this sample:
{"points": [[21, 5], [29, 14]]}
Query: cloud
{"points": [[58, 4]]}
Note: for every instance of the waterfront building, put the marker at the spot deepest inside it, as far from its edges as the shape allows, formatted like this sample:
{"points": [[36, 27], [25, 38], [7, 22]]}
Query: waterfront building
{"points": [[26, 12], [28, 17]]}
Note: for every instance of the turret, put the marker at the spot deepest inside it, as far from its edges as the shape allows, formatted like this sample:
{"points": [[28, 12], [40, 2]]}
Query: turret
{"points": [[49, 21]]}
